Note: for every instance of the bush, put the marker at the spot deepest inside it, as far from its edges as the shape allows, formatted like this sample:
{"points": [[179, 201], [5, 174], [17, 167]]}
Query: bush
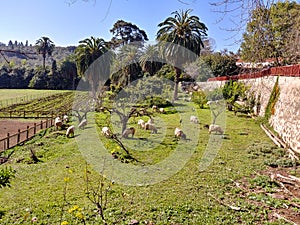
{"points": [[199, 98], [5, 175]]}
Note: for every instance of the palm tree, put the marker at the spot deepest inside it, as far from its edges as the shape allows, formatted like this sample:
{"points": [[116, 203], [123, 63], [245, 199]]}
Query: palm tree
{"points": [[45, 47], [181, 39], [89, 50], [126, 65], [150, 60]]}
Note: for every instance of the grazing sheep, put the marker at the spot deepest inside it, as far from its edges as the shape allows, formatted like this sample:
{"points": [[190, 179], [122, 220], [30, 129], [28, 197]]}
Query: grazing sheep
{"points": [[57, 122], [152, 127], [82, 124], [66, 118], [141, 123], [154, 108], [162, 110], [215, 128], [179, 133], [106, 131], [70, 131], [194, 119], [151, 120], [128, 131]]}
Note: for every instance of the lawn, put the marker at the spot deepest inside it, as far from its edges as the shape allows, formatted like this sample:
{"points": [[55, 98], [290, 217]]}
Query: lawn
{"points": [[165, 181]]}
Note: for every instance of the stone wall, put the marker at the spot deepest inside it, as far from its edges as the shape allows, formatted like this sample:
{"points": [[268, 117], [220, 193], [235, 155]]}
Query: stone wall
{"points": [[286, 118]]}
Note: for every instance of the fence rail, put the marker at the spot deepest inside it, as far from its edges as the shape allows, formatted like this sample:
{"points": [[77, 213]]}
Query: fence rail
{"points": [[21, 136], [30, 114], [287, 71]]}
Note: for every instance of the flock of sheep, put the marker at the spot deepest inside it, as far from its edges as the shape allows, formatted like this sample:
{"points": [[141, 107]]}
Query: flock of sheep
{"points": [[62, 122], [149, 125]]}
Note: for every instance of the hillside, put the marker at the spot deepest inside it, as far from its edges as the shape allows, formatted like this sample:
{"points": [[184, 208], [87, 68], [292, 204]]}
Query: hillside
{"points": [[27, 55]]}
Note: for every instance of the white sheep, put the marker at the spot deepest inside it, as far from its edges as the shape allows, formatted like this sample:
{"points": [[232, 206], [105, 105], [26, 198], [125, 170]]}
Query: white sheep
{"points": [[215, 128], [141, 123], [66, 118], [128, 131], [57, 122], [106, 131], [82, 124], [162, 110], [179, 133], [152, 127], [154, 108], [194, 119], [70, 131], [149, 123]]}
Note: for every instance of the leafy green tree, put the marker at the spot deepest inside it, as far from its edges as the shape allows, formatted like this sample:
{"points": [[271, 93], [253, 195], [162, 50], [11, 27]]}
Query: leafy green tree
{"points": [[45, 47], [183, 30], [68, 71], [89, 50], [273, 32], [127, 33]]}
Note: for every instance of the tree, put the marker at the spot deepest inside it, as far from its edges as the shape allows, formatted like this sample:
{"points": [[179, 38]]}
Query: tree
{"points": [[89, 50], [150, 61], [127, 33], [45, 47], [183, 30], [273, 32], [126, 65]]}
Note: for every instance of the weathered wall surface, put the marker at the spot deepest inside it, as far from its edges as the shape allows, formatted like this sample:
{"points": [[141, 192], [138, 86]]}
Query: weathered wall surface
{"points": [[286, 118]]}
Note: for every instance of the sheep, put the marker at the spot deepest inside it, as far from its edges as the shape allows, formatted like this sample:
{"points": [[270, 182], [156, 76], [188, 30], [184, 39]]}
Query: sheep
{"points": [[179, 133], [154, 108], [82, 124], [128, 131], [57, 122], [151, 120], [215, 128], [141, 123], [70, 131], [66, 118], [194, 119], [106, 131], [162, 110], [152, 127]]}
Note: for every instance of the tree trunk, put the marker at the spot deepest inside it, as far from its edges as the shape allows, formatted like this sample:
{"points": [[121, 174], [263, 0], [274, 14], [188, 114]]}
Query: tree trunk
{"points": [[176, 80], [44, 62]]}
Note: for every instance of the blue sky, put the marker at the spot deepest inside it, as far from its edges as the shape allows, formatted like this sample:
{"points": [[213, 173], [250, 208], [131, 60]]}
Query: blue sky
{"points": [[66, 24]]}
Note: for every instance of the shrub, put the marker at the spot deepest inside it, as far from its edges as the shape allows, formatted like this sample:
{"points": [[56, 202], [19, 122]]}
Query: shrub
{"points": [[5, 175], [199, 98]]}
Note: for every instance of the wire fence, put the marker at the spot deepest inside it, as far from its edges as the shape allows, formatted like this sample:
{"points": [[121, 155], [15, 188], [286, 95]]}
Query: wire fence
{"points": [[23, 99]]}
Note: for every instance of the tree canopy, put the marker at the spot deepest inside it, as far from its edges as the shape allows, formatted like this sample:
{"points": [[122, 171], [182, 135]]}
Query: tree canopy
{"points": [[127, 33], [273, 32]]}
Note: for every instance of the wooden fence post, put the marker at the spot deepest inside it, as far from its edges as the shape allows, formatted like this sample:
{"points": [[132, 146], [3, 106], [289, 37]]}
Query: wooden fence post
{"points": [[24, 114], [7, 140], [41, 124], [34, 128], [27, 132], [18, 137]]}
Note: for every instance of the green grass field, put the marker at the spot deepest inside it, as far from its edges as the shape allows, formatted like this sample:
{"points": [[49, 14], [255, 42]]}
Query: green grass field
{"points": [[55, 190]]}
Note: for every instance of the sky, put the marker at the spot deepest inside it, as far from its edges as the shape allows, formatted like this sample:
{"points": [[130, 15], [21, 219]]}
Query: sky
{"points": [[66, 24]]}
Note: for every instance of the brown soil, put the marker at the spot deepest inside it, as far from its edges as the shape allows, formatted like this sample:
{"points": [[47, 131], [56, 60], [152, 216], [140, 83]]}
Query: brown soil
{"points": [[288, 190], [11, 127]]}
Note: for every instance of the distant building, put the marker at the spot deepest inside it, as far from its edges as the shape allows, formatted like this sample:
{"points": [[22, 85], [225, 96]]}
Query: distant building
{"points": [[267, 63]]}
